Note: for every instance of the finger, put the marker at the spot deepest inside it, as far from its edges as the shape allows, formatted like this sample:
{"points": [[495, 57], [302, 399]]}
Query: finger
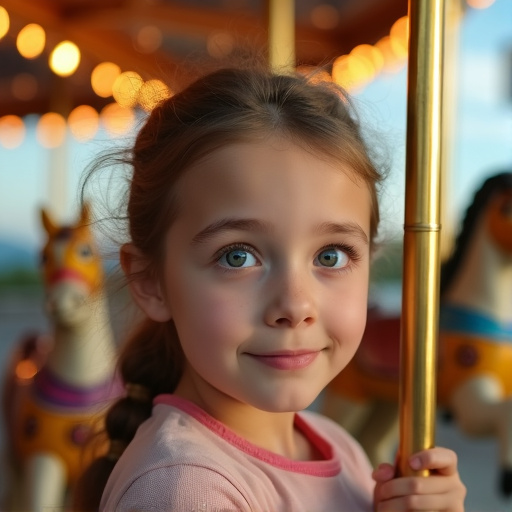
{"points": [[383, 473], [417, 486], [418, 502], [440, 460]]}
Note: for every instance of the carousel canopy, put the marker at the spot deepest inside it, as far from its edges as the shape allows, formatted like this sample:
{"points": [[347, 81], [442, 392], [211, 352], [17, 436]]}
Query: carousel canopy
{"points": [[58, 54]]}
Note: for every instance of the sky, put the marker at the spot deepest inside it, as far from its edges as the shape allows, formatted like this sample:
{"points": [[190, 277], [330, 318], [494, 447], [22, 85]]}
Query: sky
{"points": [[31, 176]]}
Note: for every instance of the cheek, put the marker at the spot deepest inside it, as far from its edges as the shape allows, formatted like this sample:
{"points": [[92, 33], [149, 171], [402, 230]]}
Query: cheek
{"points": [[346, 318], [209, 314]]}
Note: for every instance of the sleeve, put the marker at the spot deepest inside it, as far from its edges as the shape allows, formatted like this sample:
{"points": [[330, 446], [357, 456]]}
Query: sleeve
{"points": [[183, 488]]}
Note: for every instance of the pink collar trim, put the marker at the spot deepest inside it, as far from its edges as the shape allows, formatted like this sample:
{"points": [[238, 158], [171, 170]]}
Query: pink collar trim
{"points": [[327, 467]]}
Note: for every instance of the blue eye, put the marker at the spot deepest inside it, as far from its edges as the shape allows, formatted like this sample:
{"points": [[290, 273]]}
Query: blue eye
{"points": [[332, 258], [238, 258]]}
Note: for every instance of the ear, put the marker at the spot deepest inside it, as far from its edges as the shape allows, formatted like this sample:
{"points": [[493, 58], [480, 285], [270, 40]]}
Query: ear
{"points": [[48, 224], [145, 289], [85, 215]]}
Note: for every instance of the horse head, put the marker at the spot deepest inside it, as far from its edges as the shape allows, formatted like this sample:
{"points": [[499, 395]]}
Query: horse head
{"points": [[71, 268]]}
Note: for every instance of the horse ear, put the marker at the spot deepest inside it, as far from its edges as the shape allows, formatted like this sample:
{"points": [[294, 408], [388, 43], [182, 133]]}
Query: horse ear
{"points": [[85, 215], [48, 223]]}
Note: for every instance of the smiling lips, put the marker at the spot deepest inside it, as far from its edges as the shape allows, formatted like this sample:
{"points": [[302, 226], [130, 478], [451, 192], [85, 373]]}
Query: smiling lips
{"points": [[286, 360]]}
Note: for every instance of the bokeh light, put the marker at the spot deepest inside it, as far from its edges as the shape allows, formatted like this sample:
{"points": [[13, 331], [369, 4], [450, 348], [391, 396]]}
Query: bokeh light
{"points": [[126, 88], [12, 131], [152, 93], [325, 17], [31, 40], [117, 120], [480, 4], [148, 40], [392, 62], [65, 58], [24, 86], [4, 22], [399, 35], [220, 44], [51, 130], [103, 77], [83, 122]]}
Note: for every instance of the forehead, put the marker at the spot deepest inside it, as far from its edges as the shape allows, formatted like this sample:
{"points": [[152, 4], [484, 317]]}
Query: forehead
{"points": [[272, 178]]}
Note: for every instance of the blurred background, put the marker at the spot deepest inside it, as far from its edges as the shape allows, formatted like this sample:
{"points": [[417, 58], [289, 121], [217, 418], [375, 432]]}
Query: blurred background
{"points": [[79, 76]]}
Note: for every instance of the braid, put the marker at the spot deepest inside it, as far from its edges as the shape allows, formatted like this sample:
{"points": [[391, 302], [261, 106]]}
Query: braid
{"points": [[148, 367]]}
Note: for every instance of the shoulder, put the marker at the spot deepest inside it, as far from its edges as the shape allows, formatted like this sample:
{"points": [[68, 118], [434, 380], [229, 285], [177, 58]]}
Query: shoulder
{"points": [[170, 454], [181, 487]]}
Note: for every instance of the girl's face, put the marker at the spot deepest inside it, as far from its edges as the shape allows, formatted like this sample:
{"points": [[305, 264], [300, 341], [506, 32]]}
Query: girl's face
{"points": [[266, 274]]}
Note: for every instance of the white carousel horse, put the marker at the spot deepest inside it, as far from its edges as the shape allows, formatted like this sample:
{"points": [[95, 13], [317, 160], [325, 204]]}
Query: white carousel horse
{"points": [[475, 342], [56, 391]]}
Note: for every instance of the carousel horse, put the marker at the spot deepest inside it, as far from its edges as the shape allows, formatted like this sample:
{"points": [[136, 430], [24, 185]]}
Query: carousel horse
{"points": [[474, 383], [58, 386]]}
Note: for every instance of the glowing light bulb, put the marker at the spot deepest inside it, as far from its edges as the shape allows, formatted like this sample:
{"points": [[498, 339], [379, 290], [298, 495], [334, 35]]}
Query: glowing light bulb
{"points": [[51, 130], [480, 4], [83, 122], [12, 131], [31, 40], [126, 88], [117, 120], [325, 17], [65, 58], [103, 77], [152, 93], [4, 22]]}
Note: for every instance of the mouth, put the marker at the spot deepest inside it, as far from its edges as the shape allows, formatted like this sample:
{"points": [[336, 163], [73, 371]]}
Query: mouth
{"points": [[288, 360]]}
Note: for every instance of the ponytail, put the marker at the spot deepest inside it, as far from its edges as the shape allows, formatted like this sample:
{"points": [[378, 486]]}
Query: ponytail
{"points": [[151, 363]]}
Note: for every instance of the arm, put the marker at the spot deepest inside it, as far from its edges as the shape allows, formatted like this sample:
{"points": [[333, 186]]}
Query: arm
{"points": [[441, 491]]}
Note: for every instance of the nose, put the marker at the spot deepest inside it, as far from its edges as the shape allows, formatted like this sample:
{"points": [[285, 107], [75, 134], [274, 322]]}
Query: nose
{"points": [[290, 302]]}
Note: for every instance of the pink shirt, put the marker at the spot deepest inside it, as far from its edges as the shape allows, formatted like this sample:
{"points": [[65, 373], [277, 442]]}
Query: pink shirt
{"points": [[183, 460]]}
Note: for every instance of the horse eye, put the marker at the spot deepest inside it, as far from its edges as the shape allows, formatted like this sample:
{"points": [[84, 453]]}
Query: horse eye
{"points": [[85, 251]]}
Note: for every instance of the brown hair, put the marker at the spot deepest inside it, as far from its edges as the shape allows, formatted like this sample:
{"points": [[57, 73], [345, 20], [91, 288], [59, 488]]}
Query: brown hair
{"points": [[222, 108]]}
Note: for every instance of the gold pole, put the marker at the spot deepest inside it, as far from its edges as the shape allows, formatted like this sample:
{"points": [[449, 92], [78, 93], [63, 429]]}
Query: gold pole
{"points": [[421, 232], [281, 34], [454, 14]]}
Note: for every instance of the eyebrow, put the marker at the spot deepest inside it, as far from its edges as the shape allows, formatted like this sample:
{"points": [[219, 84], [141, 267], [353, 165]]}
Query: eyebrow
{"points": [[230, 224], [346, 228], [257, 226]]}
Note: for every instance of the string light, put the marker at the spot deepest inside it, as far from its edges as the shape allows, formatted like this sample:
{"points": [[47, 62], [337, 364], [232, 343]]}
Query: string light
{"points": [[65, 58], [4, 22], [51, 130], [83, 122], [480, 4], [12, 131], [31, 40], [103, 77], [126, 88], [325, 17], [220, 44], [148, 40], [152, 93], [117, 120], [399, 35], [24, 86]]}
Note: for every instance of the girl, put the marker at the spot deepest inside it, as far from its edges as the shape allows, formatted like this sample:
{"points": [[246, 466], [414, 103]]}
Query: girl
{"points": [[252, 214]]}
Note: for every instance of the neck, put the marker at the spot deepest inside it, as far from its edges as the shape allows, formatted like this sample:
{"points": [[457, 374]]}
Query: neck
{"points": [[84, 354], [272, 431], [484, 283]]}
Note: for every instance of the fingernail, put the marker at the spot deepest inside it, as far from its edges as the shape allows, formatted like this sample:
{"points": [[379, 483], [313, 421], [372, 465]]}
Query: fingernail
{"points": [[415, 463]]}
